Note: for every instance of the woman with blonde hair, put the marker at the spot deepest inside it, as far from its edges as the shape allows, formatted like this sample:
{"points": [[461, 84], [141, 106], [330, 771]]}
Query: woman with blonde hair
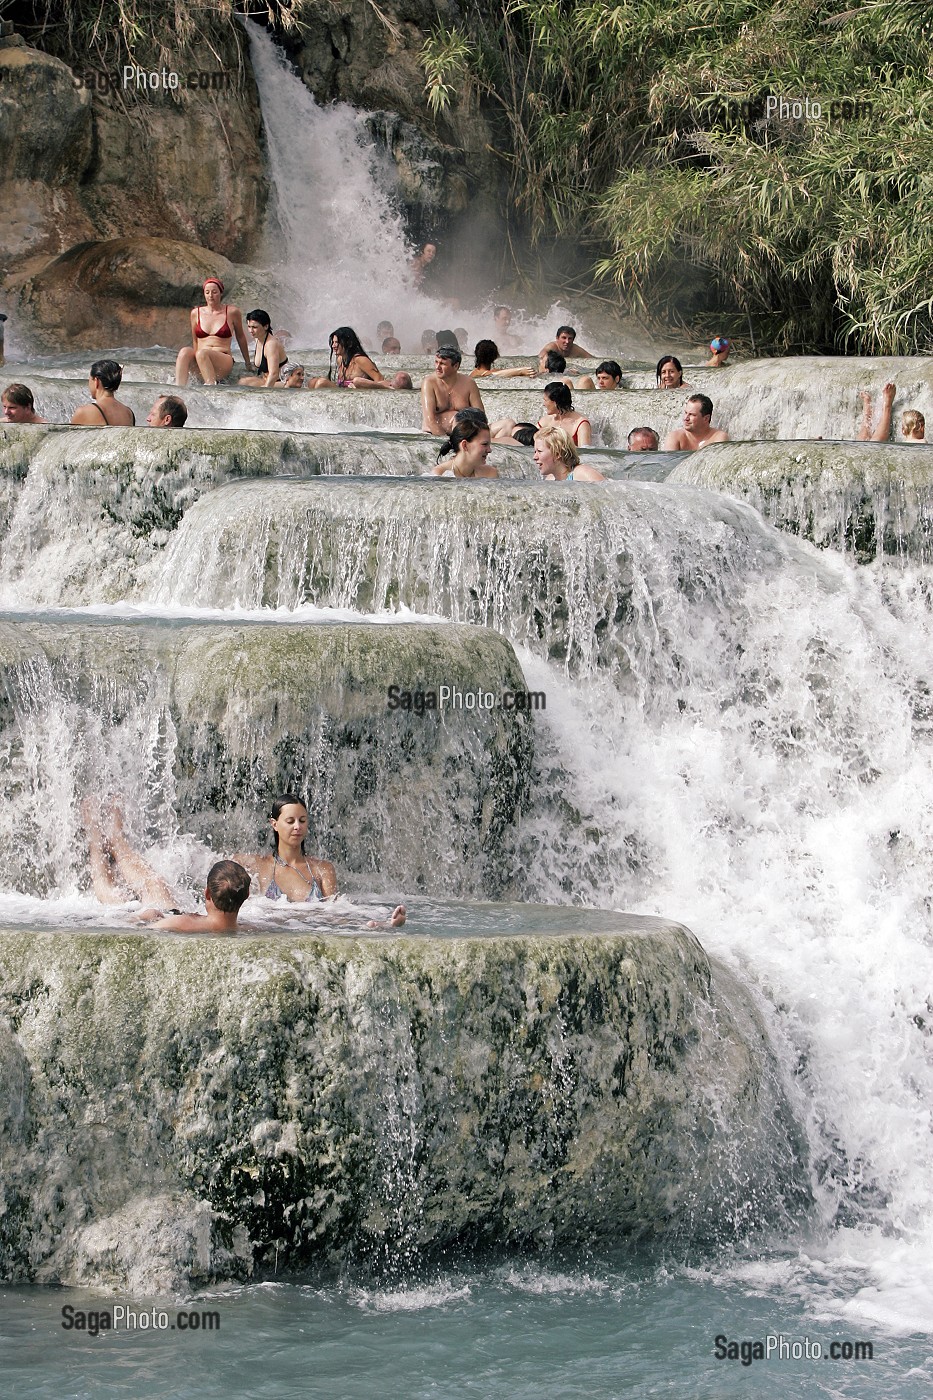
{"points": [[558, 459]]}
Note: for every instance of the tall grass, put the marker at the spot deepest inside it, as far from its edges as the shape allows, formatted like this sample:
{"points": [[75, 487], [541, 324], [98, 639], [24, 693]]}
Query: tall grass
{"points": [[615, 127]]}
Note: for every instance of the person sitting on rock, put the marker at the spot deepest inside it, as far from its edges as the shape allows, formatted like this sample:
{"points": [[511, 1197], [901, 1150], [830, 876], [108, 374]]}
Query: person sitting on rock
{"points": [[106, 411], [269, 354], [212, 330]]}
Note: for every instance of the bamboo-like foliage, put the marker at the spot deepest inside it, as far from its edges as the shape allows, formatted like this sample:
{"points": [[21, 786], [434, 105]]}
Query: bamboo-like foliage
{"points": [[617, 119]]}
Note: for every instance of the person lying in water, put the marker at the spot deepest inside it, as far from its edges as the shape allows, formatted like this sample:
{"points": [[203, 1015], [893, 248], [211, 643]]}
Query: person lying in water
{"points": [[289, 872], [119, 872]]}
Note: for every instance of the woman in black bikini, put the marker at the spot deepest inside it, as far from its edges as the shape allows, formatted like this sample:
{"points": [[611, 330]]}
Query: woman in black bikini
{"points": [[269, 354], [106, 411], [212, 330], [289, 871]]}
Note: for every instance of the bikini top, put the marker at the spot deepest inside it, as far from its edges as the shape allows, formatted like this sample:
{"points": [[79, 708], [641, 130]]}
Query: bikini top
{"points": [[103, 415], [225, 333], [314, 890]]}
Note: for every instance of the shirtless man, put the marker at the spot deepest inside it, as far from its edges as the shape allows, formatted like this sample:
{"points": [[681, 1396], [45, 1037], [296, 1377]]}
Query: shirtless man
{"points": [[564, 343], [118, 872], [502, 320], [18, 405], [446, 391], [697, 430], [106, 411]]}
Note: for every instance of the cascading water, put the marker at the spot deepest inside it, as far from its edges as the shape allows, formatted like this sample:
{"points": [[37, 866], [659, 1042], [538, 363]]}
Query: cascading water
{"points": [[337, 238]]}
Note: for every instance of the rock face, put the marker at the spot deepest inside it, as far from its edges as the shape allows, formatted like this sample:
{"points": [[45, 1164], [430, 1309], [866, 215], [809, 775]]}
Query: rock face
{"points": [[355, 51], [115, 292], [89, 161], [183, 1110]]}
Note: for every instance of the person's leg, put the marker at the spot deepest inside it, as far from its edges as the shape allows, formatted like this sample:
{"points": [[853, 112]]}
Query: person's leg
{"points": [[184, 364], [135, 871], [213, 364], [104, 886]]}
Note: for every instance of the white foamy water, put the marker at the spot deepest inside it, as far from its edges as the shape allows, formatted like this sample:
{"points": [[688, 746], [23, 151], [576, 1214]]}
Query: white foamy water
{"points": [[337, 237]]}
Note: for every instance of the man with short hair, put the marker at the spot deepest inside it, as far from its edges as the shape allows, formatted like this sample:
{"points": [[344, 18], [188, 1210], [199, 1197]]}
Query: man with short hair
{"points": [[19, 406], [391, 345], [565, 343], [697, 428], [168, 411], [502, 320], [445, 391], [643, 440]]}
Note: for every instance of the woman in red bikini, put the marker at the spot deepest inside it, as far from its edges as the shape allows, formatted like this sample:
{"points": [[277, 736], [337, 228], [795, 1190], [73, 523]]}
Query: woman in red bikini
{"points": [[212, 330]]}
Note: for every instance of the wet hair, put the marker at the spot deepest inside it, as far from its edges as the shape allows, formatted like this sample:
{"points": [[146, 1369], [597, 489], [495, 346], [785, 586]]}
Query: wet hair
{"points": [[568, 330], [350, 347], [287, 370], [611, 367], [668, 360], [446, 351], [262, 317], [285, 799], [562, 446], [706, 405], [486, 353], [174, 409], [524, 433], [228, 885], [391, 340], [560, 396], [428, 335], [447, 337], [912, 421], [554, 362], [20, 396], [648, 432], [468, 424], [109, 373]]}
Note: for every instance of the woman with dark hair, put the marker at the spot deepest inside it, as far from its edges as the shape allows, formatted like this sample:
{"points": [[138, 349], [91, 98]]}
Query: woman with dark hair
{"points": [[559, 412], [212, 330], [269, 354], [670, 373], [471, 444], [106, 411], [289, 872], [350, 366], [486, 352]]}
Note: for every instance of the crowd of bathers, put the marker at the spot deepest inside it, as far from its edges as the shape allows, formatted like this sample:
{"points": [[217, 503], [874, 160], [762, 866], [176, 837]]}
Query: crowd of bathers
{"points": [[451, 400]]}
